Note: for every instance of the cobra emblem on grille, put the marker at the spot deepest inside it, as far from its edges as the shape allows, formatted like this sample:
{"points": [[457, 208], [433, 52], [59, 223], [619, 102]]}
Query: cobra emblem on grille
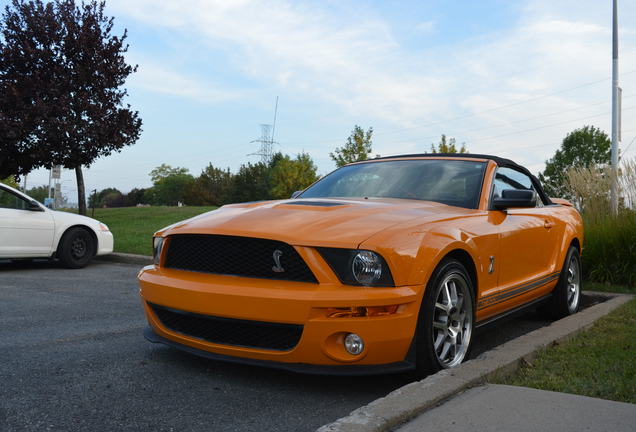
{"points": [[276, 255]]}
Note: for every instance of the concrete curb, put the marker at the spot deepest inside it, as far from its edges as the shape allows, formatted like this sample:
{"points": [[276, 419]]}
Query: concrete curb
{"points": [[126, 258], [412, 399]]}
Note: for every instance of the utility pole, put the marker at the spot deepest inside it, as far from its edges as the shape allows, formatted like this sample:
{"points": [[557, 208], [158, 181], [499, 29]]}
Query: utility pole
{"points": [[616, 114], [49, 188], [94, 201]]}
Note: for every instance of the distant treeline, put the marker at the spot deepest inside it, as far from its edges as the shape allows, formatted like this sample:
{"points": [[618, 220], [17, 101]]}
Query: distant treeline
{"points": [[277, 179]]}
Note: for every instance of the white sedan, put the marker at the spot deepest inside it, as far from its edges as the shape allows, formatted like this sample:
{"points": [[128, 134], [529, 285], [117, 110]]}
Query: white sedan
{"points": [[30, 230]]}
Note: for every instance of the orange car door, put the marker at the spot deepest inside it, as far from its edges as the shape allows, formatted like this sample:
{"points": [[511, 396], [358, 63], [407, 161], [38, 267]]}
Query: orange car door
{"points": [[527, 245]]}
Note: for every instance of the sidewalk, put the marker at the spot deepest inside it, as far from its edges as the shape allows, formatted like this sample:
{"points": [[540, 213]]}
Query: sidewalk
{"points": [[508, 408]]}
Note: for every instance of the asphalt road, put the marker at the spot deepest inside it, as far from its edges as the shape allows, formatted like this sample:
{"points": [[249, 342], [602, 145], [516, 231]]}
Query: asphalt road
{"points": [[72, 357]]}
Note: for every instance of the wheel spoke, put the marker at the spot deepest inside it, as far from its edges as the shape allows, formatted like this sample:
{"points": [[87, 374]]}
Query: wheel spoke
{"points": [[453, 293], [442, 306], [445, 350], [460, 303], [447, 295], [438, 340], [439, 325]]}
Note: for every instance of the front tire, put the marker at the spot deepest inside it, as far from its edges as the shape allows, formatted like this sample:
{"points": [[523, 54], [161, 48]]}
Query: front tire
{"points": [[76, 248], [446, 320], [567, 293]]}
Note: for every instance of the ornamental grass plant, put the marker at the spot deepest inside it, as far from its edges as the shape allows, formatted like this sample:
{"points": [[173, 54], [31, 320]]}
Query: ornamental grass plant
{"points": [[609, 251]]}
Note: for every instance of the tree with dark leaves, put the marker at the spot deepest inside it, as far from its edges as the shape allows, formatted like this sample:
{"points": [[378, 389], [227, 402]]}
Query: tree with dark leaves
{"points": [[585, 147], [61, 98]]}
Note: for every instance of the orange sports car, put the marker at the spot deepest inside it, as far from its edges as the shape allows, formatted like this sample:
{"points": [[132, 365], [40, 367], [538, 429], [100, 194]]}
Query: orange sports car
{"points": [[383, 265]]}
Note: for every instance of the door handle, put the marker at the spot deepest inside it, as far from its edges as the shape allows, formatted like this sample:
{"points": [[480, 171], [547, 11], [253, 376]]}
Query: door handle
{"points": [[548, 224]]}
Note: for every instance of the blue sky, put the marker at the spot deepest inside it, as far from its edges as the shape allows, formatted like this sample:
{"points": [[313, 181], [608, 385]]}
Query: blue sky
{"points": [[509, 78]]}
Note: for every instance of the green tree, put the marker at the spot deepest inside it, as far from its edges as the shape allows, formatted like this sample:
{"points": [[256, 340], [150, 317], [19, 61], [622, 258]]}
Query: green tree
{"points": [[448, 146], [290, 175], [212, 187], [97, 200], [584, 147], [170, 185], [38, 193], [250, 183], [10, 181], [61, 98], [357, 148], [113, 199], [136, 196], [165, 170]]}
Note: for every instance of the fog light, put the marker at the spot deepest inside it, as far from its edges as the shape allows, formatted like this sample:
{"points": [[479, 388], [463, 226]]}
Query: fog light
{"points": [[354, 344]]}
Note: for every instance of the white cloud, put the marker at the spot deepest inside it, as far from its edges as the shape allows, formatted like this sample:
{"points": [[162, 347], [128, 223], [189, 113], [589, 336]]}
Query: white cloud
{"points": [[164, 80], [356, 64]]}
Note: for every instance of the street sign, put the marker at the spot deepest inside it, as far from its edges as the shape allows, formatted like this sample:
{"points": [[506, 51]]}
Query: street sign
{"points": [[56, 172]]}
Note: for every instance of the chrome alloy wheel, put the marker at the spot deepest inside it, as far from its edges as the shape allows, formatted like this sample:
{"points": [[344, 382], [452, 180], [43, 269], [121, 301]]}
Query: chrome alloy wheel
{"points": [[452, 321], [573, 284]]}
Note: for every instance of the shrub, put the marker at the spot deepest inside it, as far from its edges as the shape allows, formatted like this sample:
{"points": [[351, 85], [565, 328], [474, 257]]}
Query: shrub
{"points": [[609, 253]]}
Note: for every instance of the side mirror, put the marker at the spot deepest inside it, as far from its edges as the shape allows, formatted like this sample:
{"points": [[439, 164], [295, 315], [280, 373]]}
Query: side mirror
{"points": [[295, 194], [515, 198], [34, 206]]}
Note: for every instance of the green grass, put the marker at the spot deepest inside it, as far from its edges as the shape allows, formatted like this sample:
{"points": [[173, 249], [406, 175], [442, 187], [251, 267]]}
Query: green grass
{"points": [[600, 362], [133, 227]]}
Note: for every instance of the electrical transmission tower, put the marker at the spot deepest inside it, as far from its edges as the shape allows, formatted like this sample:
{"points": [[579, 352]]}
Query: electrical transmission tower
{"points": [[266, 150], [266, 141]]}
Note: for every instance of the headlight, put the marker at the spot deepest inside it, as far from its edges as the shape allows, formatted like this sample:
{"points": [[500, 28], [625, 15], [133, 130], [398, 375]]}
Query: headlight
{"points": [[358, 267], [157, 245], [103, 227], [366, 267]]}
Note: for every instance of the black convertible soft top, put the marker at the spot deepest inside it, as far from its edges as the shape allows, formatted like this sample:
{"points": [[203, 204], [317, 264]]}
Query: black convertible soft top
{"points": [[502, 162]]}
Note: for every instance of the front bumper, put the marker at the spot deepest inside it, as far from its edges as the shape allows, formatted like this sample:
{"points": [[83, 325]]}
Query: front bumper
{"points": [[105, 243], [311, 369], [387, 338]]}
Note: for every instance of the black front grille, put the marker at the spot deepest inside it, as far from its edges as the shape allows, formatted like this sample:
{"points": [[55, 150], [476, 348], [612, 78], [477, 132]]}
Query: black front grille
{"points": [[227, 331], [241, 256]]}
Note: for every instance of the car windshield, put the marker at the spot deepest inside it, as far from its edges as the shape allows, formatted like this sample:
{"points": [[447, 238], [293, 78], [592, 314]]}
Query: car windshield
{"points": [[452, 182]]}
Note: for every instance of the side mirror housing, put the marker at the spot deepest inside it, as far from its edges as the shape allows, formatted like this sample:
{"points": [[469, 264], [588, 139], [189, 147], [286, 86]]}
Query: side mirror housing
{"points": [[34, 206], [295, 194], [515, 198]]}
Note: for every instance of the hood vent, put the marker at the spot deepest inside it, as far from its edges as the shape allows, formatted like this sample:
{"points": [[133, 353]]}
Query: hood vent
{"points": [[314, 203]]}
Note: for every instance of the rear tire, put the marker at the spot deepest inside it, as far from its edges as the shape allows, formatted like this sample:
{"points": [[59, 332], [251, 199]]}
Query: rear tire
{"points": [[76, 248], [446, 319], [566, 296]]}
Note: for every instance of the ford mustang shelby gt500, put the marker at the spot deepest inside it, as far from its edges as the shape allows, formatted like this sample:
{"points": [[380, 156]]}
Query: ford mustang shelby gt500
{"points": [[383, 265]]}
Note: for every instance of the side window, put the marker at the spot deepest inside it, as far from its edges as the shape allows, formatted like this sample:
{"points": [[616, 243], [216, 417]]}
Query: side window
{"points": [[507, 178], [11, 201]]}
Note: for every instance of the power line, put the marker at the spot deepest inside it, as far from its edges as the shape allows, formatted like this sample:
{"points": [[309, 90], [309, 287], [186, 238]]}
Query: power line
{"points": [[547, 126], [554, 113], [497, 108]]}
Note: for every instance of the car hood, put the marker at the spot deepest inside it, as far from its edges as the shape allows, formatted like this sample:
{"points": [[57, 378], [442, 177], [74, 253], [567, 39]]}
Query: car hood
{"points": [[315, 222], [63, 218]]}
